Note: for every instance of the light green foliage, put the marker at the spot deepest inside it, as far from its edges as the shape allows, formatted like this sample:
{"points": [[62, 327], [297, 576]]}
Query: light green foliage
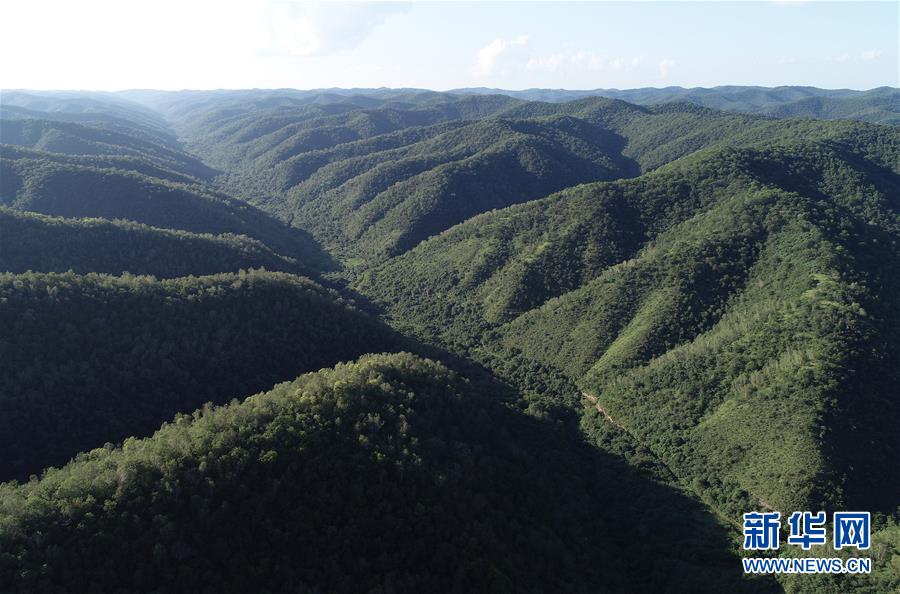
{"points": [[725, 309]]}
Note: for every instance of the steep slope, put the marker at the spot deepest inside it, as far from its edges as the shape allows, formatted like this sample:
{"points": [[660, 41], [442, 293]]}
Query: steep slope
{"points": [[77, 139], [55, 184], [86, 360], [31, 241], [228, 130], [501, 264], [719, 322], [731, 283], [383, 204], [391, 473], [374, 182], [725, 350], [97, 110]]}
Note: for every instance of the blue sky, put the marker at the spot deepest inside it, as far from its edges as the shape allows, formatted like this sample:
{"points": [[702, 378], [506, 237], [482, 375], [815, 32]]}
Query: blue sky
{"points": [[203, 44]]}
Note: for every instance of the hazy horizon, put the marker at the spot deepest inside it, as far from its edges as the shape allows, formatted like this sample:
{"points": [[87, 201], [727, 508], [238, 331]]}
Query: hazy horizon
{"points": [[431, 90], [234, 44]]}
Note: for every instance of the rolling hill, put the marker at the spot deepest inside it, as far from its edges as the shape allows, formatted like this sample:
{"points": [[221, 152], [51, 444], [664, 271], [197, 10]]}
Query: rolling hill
{"points": [[78, 139], [391, 473], [878, 106], [646, 314], [100, 111], [76, 187], [40, 243], [372, 179], [731, 281], [93, 359]]}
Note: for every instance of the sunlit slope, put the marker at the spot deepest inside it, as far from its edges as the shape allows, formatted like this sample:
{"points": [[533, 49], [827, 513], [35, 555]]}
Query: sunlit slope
{"points": [[501, 264], [754, 361], [390, 203], [735, 311], [373, 181]]}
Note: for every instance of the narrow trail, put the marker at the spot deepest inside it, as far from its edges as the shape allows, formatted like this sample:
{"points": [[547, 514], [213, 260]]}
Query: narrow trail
{"points": [[765, 504], [593, 400]]}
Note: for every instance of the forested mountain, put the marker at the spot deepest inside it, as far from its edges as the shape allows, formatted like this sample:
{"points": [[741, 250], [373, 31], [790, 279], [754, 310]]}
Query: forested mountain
{"points": [[880, 106], [391, 473], [93, 359], [644, 317], [100, 110], [135, 190], [31, 241], [77, 139], [652, 293], [373, 181]]}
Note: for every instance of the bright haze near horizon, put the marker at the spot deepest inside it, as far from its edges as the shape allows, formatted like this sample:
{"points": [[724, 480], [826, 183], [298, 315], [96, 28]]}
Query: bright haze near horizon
{"points": [[207, 44]]}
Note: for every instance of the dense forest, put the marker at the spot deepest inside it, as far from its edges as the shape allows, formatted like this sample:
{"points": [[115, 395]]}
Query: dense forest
{"points": [[96, 358], [545, 340], [688, 295], [40, 243], [391, 473]]}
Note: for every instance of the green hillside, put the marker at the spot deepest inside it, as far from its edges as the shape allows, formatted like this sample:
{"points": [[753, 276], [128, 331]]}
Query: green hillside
{"points": [[31, 241], [53, 184], [646, 314], [373, 182], [102, 113], [733, 283], [389, 474], [78, 139], [384, 204], [86, 360]]}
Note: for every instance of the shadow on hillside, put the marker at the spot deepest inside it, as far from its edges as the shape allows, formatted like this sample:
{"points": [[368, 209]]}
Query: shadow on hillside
{"points": [[618, 528], [641, 535]]}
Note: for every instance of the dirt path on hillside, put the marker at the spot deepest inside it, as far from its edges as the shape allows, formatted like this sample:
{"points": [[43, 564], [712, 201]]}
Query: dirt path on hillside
{"points": [[593, 400]]}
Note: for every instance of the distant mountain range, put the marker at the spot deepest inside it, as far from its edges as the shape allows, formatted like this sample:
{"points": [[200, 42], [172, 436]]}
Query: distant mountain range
{"points": [[880, 105]]}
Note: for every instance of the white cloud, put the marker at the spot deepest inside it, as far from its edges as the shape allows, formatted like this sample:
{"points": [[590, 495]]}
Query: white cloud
{"points": [[323, 28], [489, 55], [581, 60], [665, 65], [871, 55], [549, 63]]}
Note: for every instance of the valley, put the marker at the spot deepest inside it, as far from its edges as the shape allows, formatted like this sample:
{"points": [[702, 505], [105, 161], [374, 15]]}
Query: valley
{"points": [[479, 340]]}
